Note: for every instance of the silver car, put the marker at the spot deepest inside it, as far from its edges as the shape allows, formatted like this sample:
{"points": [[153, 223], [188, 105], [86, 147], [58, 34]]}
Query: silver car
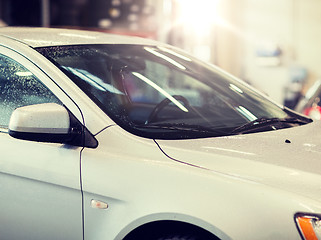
{"points": [[110, 137]]}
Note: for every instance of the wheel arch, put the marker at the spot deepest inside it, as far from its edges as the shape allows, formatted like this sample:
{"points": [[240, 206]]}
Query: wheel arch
{"points": [[170, 225]]}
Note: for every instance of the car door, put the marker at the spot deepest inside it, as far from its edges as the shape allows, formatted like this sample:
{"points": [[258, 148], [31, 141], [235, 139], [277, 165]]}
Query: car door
{"points": [[40, 196]]}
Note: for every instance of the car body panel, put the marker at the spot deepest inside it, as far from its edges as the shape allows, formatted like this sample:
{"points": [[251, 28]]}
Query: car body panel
{"points": [[282, 159], [39, 37], [39, 187], [158, 188]]}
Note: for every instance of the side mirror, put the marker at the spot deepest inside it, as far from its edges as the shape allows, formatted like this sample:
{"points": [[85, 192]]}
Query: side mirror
{"points": [[49, 122]]}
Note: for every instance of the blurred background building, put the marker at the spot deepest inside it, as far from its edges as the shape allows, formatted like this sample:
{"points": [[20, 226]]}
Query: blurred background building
{"points": [[271, 44]]}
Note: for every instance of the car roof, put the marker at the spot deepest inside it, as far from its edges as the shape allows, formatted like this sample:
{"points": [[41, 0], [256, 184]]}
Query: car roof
{"points": [[45, 37]]}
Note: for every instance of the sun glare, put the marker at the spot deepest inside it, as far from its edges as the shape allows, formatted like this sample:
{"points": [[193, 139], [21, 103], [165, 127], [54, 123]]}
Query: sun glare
{"points": [[200, 16]]}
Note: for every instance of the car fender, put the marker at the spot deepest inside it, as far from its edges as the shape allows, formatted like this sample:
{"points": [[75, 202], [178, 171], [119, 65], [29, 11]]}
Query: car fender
{"points": [[140, 185]]}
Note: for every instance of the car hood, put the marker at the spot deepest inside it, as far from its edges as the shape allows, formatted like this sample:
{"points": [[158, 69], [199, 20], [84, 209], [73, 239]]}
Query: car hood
{"points": [[289, 159]]}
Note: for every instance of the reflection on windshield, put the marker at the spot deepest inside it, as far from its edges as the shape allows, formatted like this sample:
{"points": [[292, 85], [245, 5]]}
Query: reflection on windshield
{"points": [[167, 50], [158, 92], [235, 88], [166, 58], [246, 113], [93, 80]]}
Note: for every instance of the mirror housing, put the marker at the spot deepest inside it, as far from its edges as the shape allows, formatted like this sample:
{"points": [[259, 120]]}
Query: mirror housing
{"points": [[49, 122]]}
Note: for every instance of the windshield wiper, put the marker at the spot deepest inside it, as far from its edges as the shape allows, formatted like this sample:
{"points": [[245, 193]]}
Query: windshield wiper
{"points": [[263, 121], [185, 127]]}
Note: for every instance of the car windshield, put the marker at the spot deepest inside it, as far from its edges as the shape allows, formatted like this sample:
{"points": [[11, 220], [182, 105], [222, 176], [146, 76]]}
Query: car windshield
{"points": [[160, 92]]}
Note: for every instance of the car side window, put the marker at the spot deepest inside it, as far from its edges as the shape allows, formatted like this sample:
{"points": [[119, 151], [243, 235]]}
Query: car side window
{"points": [[19, 87]]}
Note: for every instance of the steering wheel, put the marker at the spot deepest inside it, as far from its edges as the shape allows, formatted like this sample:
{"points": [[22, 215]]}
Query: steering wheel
{"points": [[152, 116]]}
